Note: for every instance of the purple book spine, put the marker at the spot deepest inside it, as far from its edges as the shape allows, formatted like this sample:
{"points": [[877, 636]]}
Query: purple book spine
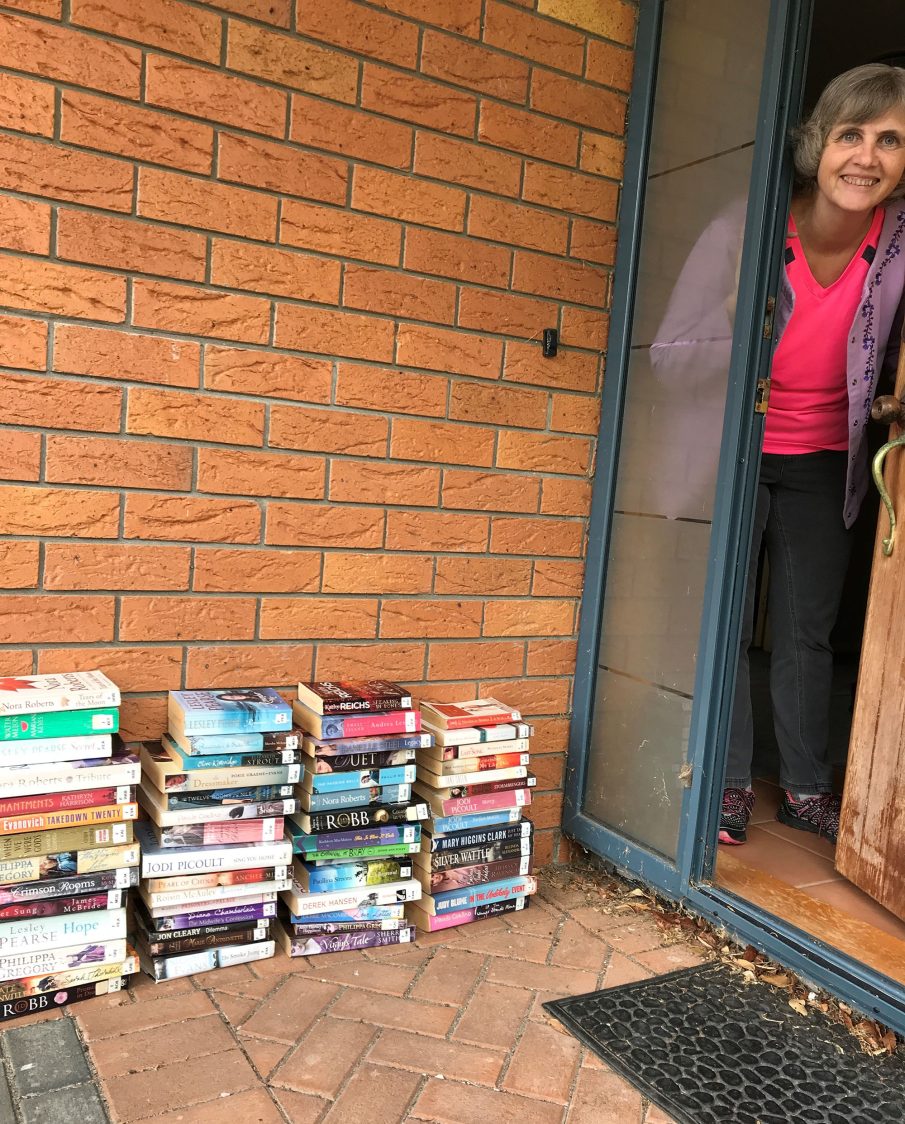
{"points": [[263, 911]]}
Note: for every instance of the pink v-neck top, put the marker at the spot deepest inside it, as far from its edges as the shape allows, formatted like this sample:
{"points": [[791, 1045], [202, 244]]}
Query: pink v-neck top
{"points": [[808, 408]]}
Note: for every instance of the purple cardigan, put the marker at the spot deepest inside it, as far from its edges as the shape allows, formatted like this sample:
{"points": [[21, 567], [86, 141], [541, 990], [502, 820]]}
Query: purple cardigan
{"points": [[696, 332]]}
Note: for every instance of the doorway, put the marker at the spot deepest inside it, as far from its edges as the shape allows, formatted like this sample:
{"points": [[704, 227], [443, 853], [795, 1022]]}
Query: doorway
{"points": [[784, 870]]}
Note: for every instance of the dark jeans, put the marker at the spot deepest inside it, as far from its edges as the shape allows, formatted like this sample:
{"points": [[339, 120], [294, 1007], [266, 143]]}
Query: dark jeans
{"points": [[799, 515]]}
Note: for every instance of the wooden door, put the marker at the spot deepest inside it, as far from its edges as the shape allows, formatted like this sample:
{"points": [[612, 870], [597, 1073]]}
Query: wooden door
{"points": [[871, 847]]}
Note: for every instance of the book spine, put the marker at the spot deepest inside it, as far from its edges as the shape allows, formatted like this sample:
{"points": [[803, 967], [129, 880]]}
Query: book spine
{"points": [[55, 1000], [393, 851], [348, 876], [518, 773], [224, 878], [451, 765], [33, 934], [238, 760], [328, 727], [85, 903], [378, 705], [201, 779], [64, 863], [353, 916], [434, 922], [57, 801], [103, 773], [239, 901], [480, 750], [504, 784], [328, 822], [221, 797], [360, 837], [489, 802], [71, 817], [104, 881], [458, 877], [60, 724], [355, 797], [40, 751], [473, 856], [440, 825], [343, 942], [480, 895], [340, 782], [207, 860], [27, 844], [302, 903], [365, 747], [88, 973], [190, 898], [231, 831], [314, 928], [49, 960], [258, 911], [266, 742], [458, 840], [190, 964], [219, 813], [245, 935]]}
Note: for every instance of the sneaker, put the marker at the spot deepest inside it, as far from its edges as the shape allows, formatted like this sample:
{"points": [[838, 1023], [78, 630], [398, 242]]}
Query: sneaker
{"points": [[819, 814], [738, 803]]}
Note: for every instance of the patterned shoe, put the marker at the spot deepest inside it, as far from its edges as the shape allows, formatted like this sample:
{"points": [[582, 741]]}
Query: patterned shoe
{"points": [[819, 814], [738, 803]]}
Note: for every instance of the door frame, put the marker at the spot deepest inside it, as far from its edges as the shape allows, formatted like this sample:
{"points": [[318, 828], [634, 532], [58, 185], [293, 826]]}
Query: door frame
{"points": [[687, 877]]}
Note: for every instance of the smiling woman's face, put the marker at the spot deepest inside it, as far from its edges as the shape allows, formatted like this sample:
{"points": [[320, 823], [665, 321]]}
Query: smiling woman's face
{"points": [[862, 164]]}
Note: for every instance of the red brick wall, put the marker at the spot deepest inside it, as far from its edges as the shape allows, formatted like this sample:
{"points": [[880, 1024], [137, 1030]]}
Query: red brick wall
{"points": [[272, 280]]}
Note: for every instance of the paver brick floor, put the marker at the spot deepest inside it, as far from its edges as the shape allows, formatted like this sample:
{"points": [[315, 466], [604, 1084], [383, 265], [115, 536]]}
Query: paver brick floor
{"points": [[448, 1030]]}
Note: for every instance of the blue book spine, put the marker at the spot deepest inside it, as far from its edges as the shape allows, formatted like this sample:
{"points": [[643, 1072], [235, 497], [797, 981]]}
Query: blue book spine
{"points": [[348, 876], [241, 710], [358, 837], [363, 913], [359, 797], [442, 824], [473, 896], [225, 743], [367, 778], [231, 760]]}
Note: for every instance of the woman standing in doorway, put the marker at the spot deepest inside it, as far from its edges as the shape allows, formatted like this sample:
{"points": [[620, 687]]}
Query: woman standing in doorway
{"points": [[839, 319]]}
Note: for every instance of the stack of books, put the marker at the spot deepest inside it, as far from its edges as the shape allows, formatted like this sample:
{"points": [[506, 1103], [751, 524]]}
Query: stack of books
{"points": [[67, 856], [475, 859], [215, 791], [358, 825]]}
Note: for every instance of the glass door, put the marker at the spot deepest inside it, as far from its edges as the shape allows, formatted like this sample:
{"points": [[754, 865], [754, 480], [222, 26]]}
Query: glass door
{"points": [[686, 341]]}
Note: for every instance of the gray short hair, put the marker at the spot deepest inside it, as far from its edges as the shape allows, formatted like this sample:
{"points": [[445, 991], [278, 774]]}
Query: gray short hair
{"points": [[857, 96]]}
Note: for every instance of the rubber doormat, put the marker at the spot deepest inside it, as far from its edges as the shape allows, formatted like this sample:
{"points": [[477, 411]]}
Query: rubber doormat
{"points": [[709, 1048]]}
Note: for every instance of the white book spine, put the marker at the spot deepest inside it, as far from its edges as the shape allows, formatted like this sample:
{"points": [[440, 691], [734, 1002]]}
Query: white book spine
{"points": [[303, 904], [38, 933], [161, 862], [38, 751], [15, 967], [213, 893], [190, 964], [73, 690], [28, 781], [453, 780]]}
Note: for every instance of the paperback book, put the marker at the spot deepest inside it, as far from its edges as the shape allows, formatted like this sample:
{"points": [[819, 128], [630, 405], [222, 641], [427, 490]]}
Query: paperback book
{"points": [[161, 968], [346, 876], [330, 727], [238, 710], [432, 922], [353, 915], [478, 735], [351, 696], [205, 745], [377, 835], [214, 797], [224, 878], [314, 823], [58, 801], [440, 825], [40, 751], [62, 886], [60, 724], [102, 772], [316, 944], [341, 748], [495, 833], [354, 797], [474, 856], [263, 759], [302, 904], [66, 818], [66, 863], [155, 804], [39, 933], [330, 858], [444, 806], [71, 690], [159, 862], [265, 830], [197, 944], [471, 896], [365, 778], [38, 961], [56, 1000], [57, 907], [166, 772], [190, 919], [475, 712], [311, 928], [461, 877], [88, 973], [28, 844]]}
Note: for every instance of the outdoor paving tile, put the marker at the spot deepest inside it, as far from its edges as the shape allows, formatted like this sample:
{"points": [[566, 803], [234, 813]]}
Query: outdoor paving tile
{"points": [[576, 948], [145, 988], [514, 946], [598, 920], [410, 955], [393, 979], [542, 977], [99, 1020], [127, 1053], [61, 1106], [263, 1054], [300, 1108], [622, 970], [544, 1064], [604, 1095], [449, 977], [291, 1009], [451, 1102], [494, 1015], [234, 1008], [252, 1107], [456, 1060], [443, 936], [376, 1095], [670, 958], [637, 936], [30, 1020], [6, 1102], [537, 919], [238, 980], [388, 1010], [322, 1061], [151, 1092], [46, 1057], [656, 1115]]}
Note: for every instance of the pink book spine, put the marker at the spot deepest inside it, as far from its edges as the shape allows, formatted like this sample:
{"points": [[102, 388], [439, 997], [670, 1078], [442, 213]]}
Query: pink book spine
{"points": [[449, 920], [489, 802], [393, 722]]}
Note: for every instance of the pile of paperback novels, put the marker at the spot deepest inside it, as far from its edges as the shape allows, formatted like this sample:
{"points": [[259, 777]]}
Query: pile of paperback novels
{"points": [[475, 859], [215, 790], [67, 857], [358, 825]]}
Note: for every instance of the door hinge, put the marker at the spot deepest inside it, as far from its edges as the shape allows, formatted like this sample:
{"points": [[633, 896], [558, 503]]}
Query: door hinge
{"points": [[762, 396]]}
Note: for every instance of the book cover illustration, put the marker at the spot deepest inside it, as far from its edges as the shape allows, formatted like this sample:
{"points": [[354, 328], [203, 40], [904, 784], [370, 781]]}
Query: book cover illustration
{"points": [[205, 745], [63, 864], [475, 712], [238, 710], [88, 973], [71, 690], [351, 696], [42, 961], [314, 945]]}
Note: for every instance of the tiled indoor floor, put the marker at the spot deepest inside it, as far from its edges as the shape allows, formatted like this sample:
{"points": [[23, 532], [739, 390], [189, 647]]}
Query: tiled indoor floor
{"points": [[449, 1030], [805, 861]]}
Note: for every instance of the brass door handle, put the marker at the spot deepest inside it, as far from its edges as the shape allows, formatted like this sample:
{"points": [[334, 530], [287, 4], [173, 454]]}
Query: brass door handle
{"points": [[898, 443]]}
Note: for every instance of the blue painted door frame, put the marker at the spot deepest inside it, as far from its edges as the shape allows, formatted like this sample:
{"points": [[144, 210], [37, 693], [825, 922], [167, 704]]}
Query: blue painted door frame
{"points": [[687, 877]]}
